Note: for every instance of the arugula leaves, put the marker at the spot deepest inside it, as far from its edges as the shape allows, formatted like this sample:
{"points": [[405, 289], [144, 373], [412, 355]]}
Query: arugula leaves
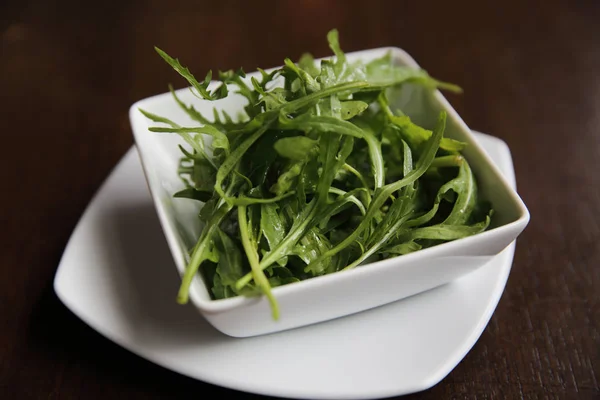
{"points": [[316, 175]]}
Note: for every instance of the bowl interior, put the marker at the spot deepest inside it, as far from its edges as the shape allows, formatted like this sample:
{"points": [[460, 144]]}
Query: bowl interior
{"points": [[160, 156]]}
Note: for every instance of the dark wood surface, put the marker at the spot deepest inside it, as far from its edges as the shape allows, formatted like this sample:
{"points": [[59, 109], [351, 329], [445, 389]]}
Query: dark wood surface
{"points": [[69, 71]]}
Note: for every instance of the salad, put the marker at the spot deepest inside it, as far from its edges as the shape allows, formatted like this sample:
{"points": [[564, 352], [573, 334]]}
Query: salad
{"points": [[316, 175]]}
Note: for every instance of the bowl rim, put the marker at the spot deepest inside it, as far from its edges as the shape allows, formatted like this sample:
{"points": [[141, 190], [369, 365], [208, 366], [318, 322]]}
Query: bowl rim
{"points": [[212, 306]]}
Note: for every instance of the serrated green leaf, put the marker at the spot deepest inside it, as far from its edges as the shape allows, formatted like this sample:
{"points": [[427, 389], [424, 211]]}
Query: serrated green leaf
{"points": [[201, 88]]}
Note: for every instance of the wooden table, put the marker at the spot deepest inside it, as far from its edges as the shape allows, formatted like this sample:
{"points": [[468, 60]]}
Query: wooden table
{"points": [[69, 71]]}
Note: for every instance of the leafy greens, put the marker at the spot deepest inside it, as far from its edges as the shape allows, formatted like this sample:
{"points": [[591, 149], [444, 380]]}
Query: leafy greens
{"points": [[317, 175]]}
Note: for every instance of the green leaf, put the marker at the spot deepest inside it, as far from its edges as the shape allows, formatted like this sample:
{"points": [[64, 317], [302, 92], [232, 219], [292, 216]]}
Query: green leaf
{"points": [[307, 63], [189, 110], [220, 141], [466, 189], [310, 247], [352, 108], [246, 201], [277, 281], [250, 246], [349, 197], [235, 77], [327, 77], [234, 157], [303, 222], [392, 222], [201, 88], [218, 289], [464, 186], [412, 132], [230, 266], [331, 124], [308, 83], [288, 178], [203, 175], [296, 148], [385, 192], [203, 250], [328, 151], [272, 227], [447, 232], [194, 194], [157, 118], [404, 248], [271, 224], [334, 44], [383, 72], [311, 99]]}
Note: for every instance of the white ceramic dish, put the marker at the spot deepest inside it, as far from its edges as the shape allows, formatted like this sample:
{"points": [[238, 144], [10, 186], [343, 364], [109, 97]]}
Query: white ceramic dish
{"points": [[343, 293], [116, 274]]}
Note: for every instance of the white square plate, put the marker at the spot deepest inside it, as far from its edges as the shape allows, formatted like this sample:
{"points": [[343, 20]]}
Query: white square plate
{"points": [[117, 275]]}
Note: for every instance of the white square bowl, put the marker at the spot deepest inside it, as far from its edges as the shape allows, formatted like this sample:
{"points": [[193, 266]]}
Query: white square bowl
{"points": [[342, 293]]}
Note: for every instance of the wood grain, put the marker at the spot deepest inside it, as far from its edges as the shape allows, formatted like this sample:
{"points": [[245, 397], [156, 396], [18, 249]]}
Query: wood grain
{"points": [[531, 73]]}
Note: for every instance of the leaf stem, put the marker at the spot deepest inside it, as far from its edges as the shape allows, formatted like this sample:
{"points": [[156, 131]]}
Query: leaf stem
{"points": [[257, 273], [199, 253]]}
